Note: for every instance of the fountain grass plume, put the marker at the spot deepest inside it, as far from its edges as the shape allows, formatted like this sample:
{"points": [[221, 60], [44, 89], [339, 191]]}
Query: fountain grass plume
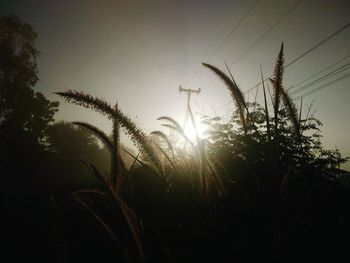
{"points": [[291, 110], [171, 120], [96, 132], [236, 93], [277, 80], [176, 127], [82, 99], [279, 92], [137, 135], [182, 133], [115, 160], [166, 139], [267, 117]]}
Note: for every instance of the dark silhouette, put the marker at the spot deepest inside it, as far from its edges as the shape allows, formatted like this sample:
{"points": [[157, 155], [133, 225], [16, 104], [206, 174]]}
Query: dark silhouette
{"points": [[68, 146], [24, 113], [24, 166], [256, 188]]}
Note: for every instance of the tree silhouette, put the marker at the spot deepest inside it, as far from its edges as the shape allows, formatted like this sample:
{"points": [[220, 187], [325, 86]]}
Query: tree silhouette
{"points": [[24, 113], [67, 145]]}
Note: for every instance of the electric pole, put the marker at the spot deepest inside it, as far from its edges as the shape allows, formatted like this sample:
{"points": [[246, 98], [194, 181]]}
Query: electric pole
{"points": [[188, 108]]}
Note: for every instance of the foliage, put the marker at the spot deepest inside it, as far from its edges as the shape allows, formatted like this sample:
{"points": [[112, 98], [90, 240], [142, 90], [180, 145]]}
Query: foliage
{"points": [[24, 113], [279, 170], [20, 107], [251, 189], [272, 172], [66, 145]]}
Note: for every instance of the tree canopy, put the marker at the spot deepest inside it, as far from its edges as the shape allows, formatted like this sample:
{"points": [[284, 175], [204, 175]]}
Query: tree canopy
{"points": [[24, 112]]}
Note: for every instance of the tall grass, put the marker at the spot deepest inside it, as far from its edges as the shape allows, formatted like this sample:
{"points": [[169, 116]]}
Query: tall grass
{"points": [[236, 94], [113, 184], [265, 148], [190, 162]]}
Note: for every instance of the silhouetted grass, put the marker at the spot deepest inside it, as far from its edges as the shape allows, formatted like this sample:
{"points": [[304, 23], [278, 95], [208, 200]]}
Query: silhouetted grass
{"points": [[250, 185]]}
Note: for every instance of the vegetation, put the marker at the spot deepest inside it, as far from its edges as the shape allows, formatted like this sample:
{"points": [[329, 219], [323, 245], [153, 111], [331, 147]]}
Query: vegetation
{"points": [[24, 114], [257, 187]]}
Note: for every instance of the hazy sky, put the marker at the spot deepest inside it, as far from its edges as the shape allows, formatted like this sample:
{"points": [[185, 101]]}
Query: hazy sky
{"points": [[138, 53]]}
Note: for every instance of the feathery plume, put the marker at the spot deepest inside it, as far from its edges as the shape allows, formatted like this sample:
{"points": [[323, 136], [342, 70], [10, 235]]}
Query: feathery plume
{"points": [[96, 132], [165, 138], [82, 99], [136, 134], [171, 120], [277, 80], [291, 110], [280, 92], [267, 117], [236, 93], [139, 137]]}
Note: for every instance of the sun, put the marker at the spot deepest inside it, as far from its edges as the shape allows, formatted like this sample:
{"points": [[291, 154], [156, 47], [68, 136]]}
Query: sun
{"points": [[194, 131]]}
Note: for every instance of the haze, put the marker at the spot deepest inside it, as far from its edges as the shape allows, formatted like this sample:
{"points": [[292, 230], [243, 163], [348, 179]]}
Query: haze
{"points": [[138, 53]]}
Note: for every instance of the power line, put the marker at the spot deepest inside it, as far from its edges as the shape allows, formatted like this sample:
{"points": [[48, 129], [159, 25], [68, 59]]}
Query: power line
{"points": [[319, 72], [234, 29], [307, 52], [226, 38], [328, 75], [266, 32], [338, 31], [329, 84], [323, 78], [319, 44], [313, 83], [323, 86], [308, 93]]}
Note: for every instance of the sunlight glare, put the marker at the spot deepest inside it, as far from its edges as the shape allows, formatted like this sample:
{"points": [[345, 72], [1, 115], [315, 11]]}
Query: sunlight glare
{"points": [[191, 132]]}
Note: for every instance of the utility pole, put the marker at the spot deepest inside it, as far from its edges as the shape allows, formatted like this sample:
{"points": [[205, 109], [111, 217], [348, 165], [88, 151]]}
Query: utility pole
{"points": [[188, 108]]}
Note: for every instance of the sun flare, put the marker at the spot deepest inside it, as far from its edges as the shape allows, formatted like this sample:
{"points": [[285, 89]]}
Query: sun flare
{"points": [[192, 132]]}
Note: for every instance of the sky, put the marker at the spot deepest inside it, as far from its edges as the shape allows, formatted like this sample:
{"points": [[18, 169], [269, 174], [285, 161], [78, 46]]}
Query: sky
{"points": [[138, 53]]}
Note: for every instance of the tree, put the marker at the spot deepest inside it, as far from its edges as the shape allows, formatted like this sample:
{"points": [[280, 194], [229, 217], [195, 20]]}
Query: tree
{"points": [[24, 113], [67, 145]]}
